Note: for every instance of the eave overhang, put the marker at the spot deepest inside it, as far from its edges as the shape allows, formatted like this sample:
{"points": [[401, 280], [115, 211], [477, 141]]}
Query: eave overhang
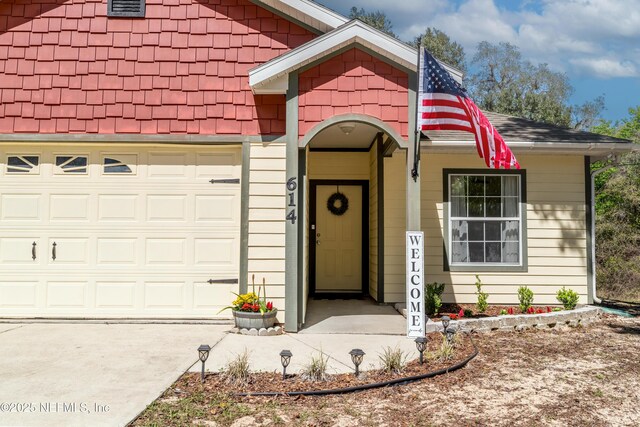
{"points": [[537, 147]]}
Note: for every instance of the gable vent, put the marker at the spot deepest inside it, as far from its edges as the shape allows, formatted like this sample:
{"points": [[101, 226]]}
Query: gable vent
{"points": [[126, 8]]}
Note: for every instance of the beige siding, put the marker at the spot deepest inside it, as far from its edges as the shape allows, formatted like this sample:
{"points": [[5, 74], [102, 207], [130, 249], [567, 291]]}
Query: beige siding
{"points": [[335, 165], [395, 208], [373, 221], [556, 227], [267, 200]]}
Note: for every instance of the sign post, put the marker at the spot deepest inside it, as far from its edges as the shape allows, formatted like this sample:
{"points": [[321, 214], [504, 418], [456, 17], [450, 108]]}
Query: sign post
{"points": [[415, 284]]}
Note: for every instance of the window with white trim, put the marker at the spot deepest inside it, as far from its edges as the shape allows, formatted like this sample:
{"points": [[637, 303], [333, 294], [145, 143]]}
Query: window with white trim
{"points": [[485, 219]]}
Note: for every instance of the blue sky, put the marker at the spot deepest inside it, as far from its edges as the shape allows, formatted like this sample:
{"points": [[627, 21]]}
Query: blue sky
{"points": [[595, 42]]}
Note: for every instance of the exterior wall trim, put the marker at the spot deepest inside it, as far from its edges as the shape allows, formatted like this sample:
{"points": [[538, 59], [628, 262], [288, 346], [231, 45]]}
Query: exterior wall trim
{"points": [[358, 118], [244, 216], [446, 210], [380, 163], [191, 139], [588, 197], [292, 252]]}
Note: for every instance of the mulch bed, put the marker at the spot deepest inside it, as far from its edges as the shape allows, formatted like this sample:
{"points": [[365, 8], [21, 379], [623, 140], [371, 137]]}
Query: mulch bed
{"points": [[273, 382], [491, 311]]}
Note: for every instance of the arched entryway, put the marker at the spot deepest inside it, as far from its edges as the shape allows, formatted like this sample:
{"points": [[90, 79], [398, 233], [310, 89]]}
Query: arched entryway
{"points": [[344, 209]]}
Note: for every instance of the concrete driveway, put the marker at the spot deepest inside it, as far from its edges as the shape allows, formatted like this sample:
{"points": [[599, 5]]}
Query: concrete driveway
{"points": [[79, 374]]}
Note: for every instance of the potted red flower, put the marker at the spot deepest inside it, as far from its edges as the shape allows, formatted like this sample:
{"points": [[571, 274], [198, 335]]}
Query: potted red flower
{"points": [[251, 311]]}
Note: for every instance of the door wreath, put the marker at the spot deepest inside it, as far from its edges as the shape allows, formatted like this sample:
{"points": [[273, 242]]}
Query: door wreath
{"points": [[338, 203]]}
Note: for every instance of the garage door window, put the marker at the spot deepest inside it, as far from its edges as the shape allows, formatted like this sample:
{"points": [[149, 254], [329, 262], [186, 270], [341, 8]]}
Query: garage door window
{"points": [[71, 164], [23, 164], [117, 165]]}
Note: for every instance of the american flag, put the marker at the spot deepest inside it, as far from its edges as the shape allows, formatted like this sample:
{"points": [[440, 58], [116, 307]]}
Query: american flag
{"points": [[445, 105]]}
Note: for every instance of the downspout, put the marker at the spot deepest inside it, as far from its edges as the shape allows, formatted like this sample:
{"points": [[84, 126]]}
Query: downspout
{"points": [[595, 173]]}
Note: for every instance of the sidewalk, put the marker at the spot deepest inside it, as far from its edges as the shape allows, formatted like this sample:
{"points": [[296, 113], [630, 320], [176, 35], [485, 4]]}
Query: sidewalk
{"points": [[264, 352]]}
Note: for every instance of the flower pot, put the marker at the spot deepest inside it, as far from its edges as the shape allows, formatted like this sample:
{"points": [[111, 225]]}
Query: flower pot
{"points": [[249, 320]]}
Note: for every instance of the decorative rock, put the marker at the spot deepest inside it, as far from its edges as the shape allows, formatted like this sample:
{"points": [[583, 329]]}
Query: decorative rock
{"points": [[253, 332], [522, 327], [263, 332], [573, 323]]}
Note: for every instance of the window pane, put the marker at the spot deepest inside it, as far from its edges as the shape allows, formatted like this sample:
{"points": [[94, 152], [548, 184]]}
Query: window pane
{"points": [[117, 169], [476, 252], [459, 231], [510, 252], [476, 230], [510, 206], [510, 231], [476, 206], [493, 252], [492, 185], [493, 207], [458, 206], [459, 252], [510, 186], [458, 185], [492, 231], [476, 186]]}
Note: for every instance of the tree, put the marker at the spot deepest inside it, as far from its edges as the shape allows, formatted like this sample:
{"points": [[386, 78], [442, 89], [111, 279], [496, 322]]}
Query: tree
{"points": [[506, 83], [618, 215], [376, 19], [442, 47]]}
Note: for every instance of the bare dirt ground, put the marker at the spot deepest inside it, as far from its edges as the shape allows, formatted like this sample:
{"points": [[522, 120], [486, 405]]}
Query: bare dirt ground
{"points": [[573, 377]]}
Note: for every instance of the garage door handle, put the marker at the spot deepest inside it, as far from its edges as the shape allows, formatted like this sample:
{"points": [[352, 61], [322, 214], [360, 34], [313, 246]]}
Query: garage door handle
{"points": [[33, 251], [53, 252]]}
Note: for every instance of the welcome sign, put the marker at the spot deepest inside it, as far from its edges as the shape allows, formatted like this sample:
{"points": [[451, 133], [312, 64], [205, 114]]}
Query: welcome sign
{"points": [[415, 284]]}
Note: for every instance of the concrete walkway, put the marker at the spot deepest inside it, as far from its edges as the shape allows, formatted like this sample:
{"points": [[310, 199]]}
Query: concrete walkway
{"points": [[78, 374], [99, 374]]}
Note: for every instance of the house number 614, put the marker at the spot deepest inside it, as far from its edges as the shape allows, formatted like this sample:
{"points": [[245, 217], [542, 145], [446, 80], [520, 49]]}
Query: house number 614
{"points": [[291, 188]]}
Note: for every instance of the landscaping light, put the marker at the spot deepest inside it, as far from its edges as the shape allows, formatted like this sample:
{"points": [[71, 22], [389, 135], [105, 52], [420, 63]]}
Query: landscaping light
{"points": [[285, 358], [356, 358], [421, 345], [203, 355], [450, 335], [445, 322]]}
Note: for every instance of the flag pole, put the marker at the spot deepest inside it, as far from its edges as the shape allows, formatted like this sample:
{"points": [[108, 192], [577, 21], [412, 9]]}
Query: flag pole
{"points": [[416, 149]]}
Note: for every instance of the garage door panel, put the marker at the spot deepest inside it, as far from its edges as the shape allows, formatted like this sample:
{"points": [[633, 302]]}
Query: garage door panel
{"points": [[220, 208], [166, 208], [221, 165], [20, 250], [212, 298], [167, 165], [20, 207], [68, 251], [18, 294], [117, 207], [165, 295], [67, 294], [216, 252], [69, 207], [116, 295], [165, 251], [117, 251]]}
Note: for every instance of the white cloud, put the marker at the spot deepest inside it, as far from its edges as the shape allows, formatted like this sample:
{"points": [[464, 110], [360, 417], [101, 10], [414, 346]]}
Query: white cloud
{"points": [[597, 38], [606, 68]]}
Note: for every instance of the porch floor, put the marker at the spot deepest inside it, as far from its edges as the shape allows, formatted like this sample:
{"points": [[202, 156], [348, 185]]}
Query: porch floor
{"points": [[352, 316]]}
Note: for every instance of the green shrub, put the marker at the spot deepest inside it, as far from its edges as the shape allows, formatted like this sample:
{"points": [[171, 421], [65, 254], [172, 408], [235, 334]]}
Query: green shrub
{"points": [[393, 360], [433, 297], [525, 295], [467, 312], [568, 298], [482, 296], [445, 352], [503, 312]]}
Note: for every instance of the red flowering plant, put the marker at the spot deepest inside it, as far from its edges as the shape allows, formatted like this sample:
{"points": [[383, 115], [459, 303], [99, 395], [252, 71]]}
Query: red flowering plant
{"points": [[251, 301]]}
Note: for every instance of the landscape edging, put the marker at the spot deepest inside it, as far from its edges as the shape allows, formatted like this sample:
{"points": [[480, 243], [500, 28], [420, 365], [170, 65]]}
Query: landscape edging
{"points": [[579, 316]]}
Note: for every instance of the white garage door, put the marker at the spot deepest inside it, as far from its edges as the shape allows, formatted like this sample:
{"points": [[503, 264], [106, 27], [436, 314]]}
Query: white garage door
{"points": [[113, 231]]}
